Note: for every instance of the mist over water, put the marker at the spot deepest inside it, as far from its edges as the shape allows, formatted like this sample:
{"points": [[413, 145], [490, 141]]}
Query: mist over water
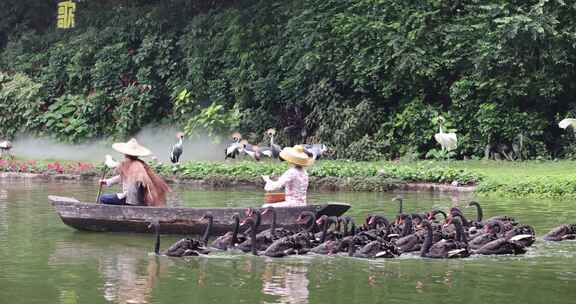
{"points": [[157, 139]]}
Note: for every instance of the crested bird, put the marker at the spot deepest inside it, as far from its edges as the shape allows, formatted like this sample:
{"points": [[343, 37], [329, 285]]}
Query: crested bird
{"points": [[252, 150], [315, 150], [234, 148], [274, 150], [176, 149]]}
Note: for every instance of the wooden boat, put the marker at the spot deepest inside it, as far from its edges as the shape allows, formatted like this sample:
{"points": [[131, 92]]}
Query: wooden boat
{"points": [[100, 217]]}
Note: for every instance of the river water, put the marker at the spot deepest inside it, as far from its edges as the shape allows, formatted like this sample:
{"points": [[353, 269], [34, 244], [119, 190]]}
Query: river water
{"points": [[44, 261]]}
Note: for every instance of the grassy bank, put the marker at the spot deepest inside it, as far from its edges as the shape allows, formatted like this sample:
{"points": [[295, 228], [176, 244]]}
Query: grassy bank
{"points": [[531, 178]]}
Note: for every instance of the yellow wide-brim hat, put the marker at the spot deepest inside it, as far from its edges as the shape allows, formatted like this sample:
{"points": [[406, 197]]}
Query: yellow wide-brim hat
{"points": [[132, 148], [297, 156]]}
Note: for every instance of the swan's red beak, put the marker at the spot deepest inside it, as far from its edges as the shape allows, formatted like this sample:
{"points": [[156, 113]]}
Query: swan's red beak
{"points": [[371, 220], [265, 211], [319, 221], [249, 211]]}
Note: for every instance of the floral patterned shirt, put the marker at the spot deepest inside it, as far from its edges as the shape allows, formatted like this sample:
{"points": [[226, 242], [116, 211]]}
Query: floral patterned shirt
{"points": [[295, 183]]}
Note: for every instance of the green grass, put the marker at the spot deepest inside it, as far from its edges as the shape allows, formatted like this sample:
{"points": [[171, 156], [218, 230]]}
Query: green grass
{"points": [[529, 178]]}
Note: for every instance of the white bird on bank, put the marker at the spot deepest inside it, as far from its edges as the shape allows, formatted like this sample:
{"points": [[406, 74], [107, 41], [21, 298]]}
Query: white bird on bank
{"points": [[5, 147], [567, 122], [448, 141], [110, 162]]}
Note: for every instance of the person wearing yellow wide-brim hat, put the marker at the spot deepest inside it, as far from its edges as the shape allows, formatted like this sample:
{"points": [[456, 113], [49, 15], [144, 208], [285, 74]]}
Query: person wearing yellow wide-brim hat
{"points": [[140, 185], [294, 180]]}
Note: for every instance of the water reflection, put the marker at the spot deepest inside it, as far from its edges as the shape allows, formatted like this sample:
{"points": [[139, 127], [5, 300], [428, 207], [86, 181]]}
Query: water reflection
{"points": [[44, 261], [124, 282], [287, 282], [129, 275], [3, 211]]}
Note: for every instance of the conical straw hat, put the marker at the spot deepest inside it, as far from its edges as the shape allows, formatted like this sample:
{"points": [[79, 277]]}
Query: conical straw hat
{"points": [[296, 155], [132, 147]]}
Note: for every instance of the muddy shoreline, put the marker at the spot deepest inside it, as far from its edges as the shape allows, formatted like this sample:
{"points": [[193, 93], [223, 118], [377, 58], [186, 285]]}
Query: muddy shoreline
{"points": [[372, 184]]}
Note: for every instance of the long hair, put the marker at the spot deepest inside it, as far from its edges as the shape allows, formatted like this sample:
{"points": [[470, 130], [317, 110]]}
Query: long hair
{"points": [[134, 170]]}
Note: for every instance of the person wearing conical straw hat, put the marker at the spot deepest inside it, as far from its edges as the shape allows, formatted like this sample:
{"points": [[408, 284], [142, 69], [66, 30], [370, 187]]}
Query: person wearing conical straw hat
{"points": [[140, 185], [294, 180]]}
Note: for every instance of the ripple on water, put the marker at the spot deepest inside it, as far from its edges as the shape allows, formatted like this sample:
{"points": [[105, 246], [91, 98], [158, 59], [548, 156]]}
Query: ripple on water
{"points": [[43, 261]]}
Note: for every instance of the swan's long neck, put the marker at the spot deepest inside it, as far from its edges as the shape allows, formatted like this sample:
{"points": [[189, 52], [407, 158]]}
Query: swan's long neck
{"points": [[157, 242], [311, 224], [465, 222], [180, 142], [407, 227], [441, 212], [253, 227], [400, 201], [427, 241], [479, 213], [324, 231], [236, 229], [258, 218], [273, 231], [351, 248], [207, 231], [459, 232]]}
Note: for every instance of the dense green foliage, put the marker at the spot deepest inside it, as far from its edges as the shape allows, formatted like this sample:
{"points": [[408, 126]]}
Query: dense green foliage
{"points": [[423, 172], [365, 77]]}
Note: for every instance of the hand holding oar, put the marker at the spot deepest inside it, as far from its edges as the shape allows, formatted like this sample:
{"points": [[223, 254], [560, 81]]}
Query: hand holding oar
{"points": [[100, 183], [109, 163]]}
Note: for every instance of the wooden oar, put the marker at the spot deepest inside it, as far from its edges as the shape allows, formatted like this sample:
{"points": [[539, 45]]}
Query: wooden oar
{"points": [[100, 187]]}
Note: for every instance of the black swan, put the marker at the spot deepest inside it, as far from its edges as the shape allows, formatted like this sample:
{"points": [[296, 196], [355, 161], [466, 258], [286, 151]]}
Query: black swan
{"points": [[231, 238], [348, 221], [522, 234], [409, 242], [479, 213], [262, 241], [253, 240], [325, 222], [298, 243], [561, 233], [400, 201], [490, 233], [183, 247], [508, 244], [273, 233], [376, 249], [445, 248], [431, 216], [328, 242]]}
